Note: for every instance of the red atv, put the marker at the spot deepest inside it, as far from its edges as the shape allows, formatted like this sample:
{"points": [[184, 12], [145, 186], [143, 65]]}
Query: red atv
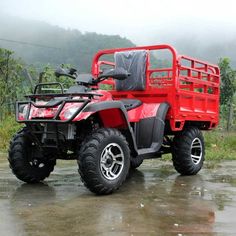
{"points": [[149, 111]]}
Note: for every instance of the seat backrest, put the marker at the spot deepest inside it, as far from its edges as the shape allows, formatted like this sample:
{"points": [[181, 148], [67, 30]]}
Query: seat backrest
{"points": [[135, 63]]}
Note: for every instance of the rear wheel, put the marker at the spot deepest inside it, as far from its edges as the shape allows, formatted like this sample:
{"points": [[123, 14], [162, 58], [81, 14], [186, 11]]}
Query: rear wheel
{"points": [[104, 160], [26, 160], [188, 151]]}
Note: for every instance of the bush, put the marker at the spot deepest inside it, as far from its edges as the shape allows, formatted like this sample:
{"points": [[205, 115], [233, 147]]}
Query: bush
{"points": [[8, 127]]}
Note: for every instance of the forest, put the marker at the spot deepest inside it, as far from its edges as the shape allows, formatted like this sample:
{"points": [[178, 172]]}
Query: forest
{"points": [[40, 44], [28, 48]]}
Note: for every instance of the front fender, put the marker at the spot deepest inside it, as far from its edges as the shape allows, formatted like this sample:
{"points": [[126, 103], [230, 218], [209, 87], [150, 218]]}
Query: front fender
{"points": [[112, 115], [96, 107]]}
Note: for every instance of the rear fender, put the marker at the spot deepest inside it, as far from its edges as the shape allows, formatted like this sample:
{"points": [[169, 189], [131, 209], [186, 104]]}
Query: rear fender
{"points": [[150, 132]]}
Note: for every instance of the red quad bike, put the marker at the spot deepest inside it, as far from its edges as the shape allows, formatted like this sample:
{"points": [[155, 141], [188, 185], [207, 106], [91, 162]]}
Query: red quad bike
{"points": [[150, 111]]}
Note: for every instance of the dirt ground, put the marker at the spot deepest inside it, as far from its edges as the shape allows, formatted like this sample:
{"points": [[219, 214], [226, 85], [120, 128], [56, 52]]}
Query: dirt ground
{"points": [[155, 200]]}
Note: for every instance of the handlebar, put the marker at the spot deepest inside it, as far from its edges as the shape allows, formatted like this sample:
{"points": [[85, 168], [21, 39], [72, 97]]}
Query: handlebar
{"points": [[88, 79]]}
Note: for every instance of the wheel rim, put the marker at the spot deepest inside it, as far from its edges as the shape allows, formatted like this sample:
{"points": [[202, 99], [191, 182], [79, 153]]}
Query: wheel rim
{"points": [[32, 157], [37, 163], [112, 161], [196, 151]]}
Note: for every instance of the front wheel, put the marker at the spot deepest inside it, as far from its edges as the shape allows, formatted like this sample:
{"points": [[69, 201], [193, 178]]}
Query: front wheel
{"points": [[26, 160], [104, 161], [135, 162], [188, 152]]}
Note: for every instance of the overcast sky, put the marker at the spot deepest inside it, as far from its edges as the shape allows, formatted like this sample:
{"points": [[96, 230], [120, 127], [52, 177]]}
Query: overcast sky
{"points": [[141, 21]]}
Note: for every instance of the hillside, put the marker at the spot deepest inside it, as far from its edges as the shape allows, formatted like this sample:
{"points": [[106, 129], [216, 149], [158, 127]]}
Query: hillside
{"points": [[73, 47], [63, 45]]}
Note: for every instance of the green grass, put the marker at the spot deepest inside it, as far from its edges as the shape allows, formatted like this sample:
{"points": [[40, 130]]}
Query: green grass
{"points": [[220, 145], [8, 128]]}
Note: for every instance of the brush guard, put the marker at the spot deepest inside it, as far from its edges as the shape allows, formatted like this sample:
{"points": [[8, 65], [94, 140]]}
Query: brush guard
{"points": [[60, 104]]}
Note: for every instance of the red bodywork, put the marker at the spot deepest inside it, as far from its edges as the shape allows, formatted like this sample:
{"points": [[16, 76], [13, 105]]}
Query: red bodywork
{"points": [[110, 117], [189, 85]]}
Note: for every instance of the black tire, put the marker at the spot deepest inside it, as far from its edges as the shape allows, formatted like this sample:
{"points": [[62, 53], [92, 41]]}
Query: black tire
{"points": [[97, 167], [188, 151], [135, 162], [25, 166]]}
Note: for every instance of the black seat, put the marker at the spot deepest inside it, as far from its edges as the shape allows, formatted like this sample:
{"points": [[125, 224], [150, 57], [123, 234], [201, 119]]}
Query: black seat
{"points": [[131, 103], [135, 62]]}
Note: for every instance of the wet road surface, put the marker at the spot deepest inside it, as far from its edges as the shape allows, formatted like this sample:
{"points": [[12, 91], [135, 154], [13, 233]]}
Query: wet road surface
{"points": [[155, 200]]}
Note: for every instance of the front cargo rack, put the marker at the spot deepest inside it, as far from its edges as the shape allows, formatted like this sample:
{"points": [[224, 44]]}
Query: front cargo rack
{"points": [[60, 102]]}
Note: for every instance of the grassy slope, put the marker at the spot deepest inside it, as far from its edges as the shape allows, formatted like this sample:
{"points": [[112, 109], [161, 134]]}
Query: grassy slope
{"points": [[219, 145]]}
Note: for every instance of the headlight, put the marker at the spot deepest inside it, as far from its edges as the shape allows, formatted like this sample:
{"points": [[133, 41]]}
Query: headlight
{"points": [[21, 108], [70, 112], [24, 111]]}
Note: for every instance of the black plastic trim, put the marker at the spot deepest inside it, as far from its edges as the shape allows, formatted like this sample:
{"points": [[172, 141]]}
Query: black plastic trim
{"points": [[94, 107], [131, 103]]}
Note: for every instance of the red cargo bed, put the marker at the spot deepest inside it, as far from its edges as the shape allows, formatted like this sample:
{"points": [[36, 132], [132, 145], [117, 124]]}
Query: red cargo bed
{"points": [[189, 85]]}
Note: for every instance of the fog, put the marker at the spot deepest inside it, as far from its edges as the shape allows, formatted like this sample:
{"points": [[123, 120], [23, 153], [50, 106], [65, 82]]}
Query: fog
{"points": [[144, 22], [205, 28]]}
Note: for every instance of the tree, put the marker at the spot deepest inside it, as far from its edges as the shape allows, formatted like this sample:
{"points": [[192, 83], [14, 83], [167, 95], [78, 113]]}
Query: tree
{"points": [[10, 80], [227, 89], [48, 75], [228, 83]]}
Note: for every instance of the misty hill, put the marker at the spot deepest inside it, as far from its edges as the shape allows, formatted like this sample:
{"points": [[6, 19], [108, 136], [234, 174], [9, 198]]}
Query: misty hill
{"points": [[204, 46], [63, 46], [76, 48], [200, 39]]}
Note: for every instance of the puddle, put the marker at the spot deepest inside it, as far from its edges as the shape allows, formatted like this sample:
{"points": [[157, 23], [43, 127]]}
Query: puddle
{"points": [[155, 200]]}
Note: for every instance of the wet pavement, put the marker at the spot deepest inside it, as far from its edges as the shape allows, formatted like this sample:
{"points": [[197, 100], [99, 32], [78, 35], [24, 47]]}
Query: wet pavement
{"points": [[155, 200]]}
